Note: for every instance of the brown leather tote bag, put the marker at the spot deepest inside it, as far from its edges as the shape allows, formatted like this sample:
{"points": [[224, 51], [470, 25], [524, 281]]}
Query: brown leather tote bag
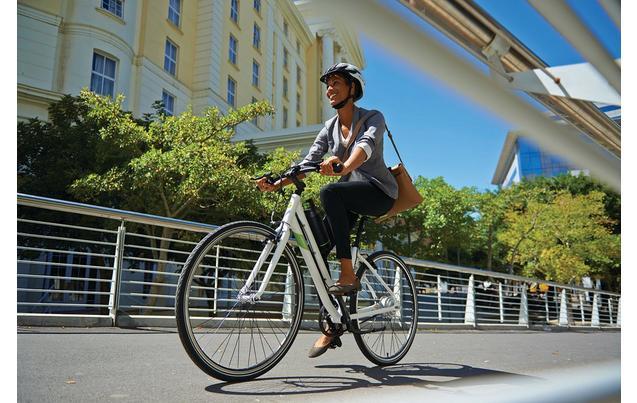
{"points": [[408, 196]]}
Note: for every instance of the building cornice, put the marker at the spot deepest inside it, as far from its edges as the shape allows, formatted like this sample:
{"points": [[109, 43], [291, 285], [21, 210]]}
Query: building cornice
{"points": [[282, 136], [36, 94], [39, 15], [319, 24], [289, 9], [93, 32]]}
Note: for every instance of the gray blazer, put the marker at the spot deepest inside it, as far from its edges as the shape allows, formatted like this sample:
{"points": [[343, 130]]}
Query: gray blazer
{"points": [[371, 133]]}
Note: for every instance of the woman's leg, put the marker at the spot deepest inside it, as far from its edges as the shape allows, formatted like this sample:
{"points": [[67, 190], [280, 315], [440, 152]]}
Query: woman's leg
{"points": [[339, 201]]}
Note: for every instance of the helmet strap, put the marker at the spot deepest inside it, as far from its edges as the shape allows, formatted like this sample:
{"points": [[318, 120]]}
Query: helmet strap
{"points": [[342, 103]]}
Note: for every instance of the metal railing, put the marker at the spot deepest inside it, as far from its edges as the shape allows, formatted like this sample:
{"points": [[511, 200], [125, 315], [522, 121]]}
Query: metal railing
{"points": [[81, 265]]}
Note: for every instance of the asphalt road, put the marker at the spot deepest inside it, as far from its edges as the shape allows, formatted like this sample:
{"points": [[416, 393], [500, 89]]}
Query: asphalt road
{"points": [[107, 364]]}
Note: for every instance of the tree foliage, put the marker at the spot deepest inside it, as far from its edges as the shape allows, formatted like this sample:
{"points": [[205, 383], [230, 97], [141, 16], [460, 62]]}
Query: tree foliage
{"points": [[561, 239], [178, 164]]}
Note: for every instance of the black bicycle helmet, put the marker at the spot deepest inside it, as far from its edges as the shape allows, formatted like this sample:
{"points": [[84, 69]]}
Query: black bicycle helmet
{"points": [[352, 74]]}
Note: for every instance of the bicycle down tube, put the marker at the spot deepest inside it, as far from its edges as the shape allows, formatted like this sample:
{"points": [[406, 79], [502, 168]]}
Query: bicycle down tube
{"points": [[294, 222]]}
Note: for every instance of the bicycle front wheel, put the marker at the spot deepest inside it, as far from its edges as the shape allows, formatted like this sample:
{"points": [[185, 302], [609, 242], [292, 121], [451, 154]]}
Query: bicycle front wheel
{"points": [[229, 335], [390, 333]]}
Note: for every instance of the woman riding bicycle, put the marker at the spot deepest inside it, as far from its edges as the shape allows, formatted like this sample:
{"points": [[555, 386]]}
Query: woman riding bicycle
{"points": [[366, 186]]}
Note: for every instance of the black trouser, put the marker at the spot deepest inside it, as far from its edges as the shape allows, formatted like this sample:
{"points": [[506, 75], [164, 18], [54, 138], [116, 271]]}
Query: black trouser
{"points": [[344, 201]]}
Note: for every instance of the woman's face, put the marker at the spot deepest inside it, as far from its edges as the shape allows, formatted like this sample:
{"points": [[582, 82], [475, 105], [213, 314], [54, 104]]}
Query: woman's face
{"points": [[337, 89]]}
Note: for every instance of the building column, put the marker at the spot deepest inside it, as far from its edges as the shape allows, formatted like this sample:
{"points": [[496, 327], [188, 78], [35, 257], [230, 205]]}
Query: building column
{"points": [[327, 37]]}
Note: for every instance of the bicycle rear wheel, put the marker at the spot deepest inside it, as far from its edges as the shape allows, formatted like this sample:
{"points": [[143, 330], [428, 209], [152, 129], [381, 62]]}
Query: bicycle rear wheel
{"points": [[229, 336], [391, 333]]}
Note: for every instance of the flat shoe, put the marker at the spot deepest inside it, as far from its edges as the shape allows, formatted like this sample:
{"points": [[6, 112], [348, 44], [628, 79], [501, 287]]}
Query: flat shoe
{"points": [[340, 289], [316, 351]]}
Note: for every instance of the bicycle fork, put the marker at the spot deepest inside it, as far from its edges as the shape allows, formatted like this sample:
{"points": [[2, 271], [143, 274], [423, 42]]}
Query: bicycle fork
{"points": [[283, 234]]}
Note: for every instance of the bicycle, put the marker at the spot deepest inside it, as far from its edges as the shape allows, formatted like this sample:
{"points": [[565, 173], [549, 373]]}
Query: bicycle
{"points": [[227, 304]]}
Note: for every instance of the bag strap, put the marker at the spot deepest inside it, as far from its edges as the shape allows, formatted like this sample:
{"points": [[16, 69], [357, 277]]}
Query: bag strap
{"points": [[357, 128], [394, 144]]}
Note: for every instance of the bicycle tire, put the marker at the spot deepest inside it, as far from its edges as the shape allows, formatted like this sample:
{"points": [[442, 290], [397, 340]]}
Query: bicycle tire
{"points": [[192, 334], [408, 311]]}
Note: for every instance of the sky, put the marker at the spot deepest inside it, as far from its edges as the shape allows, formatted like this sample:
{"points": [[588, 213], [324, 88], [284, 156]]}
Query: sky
{"points": [[439, 132]]}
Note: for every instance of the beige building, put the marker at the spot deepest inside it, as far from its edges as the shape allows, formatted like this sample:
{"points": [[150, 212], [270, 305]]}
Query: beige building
{"points": [[224, 53]]}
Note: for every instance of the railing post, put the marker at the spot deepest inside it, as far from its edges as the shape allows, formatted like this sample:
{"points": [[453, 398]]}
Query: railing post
{"points": [[546, 306], [398, 295], [595, 313], [214, 302], [619, 312], [501, 297], [563, 309], [610, 310], [581, 308], [439, 299], [116, 280], [286, 310], [523, 318], [470, 307]]}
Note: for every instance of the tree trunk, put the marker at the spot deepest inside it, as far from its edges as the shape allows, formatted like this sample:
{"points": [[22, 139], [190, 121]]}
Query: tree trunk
{"points": [[408, 239], [490, 248], [161, 255]]}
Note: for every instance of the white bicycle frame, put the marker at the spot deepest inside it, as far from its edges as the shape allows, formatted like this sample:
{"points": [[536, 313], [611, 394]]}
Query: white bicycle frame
{"points": [[294, 222]]}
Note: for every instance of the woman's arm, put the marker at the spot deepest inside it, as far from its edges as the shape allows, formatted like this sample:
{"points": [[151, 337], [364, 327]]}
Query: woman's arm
{"points": [[317, 151], [355, 160]]}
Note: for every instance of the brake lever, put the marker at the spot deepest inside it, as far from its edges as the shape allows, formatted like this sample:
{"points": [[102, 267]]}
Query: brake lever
{"points": [[265, 175]]}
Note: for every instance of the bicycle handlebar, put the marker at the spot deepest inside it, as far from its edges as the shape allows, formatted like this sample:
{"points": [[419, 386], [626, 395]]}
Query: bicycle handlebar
{"points": [[297, 170], [307, 168]]}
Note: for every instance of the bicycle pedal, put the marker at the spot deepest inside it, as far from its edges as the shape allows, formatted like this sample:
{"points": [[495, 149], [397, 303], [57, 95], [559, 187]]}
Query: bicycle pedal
{"points": [[336, 342]]}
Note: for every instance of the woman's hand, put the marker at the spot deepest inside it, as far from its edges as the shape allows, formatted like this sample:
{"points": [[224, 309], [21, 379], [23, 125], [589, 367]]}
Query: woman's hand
{"points": [[264, 186], [328, 169]]}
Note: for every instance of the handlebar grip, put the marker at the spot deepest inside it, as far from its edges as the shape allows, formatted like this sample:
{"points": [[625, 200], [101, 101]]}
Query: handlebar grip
{"points": [[338, 167]]}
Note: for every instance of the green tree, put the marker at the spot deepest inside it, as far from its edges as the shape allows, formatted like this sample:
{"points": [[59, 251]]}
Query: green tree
{"points": [[562, 238], [580, 185], [51, 155], [179, 166], [440, 228]]}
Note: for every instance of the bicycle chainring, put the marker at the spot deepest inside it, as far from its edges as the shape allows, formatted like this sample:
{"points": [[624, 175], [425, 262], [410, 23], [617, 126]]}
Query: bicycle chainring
{"points": [[328, 327]]}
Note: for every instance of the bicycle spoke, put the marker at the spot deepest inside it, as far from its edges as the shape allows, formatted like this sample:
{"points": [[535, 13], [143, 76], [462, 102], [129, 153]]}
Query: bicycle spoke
{"points": [[390, 284], [238, 335]]}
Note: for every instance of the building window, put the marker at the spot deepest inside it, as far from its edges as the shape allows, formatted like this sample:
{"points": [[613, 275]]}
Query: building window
{"points": [[103, 75], [257, 6], [298, 102], [285, 117], [234, 10], [232, 91], [113, 7], [285, 87], [256, 37], [255, 73], [285, 57], [169, 102], [285, 28], [255, 121], [174, 11], [298, 76], [170, 57], [232, 50]]}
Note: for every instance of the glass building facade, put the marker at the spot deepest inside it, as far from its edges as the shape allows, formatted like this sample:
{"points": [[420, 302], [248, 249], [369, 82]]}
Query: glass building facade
{"points": [[534, 162]]}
